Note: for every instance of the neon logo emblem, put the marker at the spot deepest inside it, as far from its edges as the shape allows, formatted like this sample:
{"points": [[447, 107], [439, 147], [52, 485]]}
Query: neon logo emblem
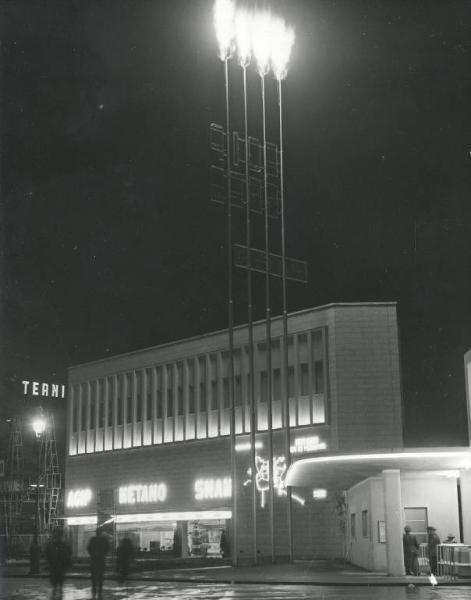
{"points": [[79, 498], [209, 489], [142, 494]]}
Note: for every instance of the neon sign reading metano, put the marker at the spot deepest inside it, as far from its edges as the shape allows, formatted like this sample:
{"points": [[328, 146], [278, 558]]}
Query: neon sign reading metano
{"points": [[142, 494]]}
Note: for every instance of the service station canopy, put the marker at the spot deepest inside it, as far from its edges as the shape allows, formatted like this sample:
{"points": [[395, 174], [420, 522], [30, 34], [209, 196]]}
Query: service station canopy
{"points": [[341, 471]]}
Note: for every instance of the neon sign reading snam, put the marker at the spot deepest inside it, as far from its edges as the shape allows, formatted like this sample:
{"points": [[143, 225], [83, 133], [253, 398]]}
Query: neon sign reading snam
{"points": [[78, 498], [208, 489], [141, 494]]}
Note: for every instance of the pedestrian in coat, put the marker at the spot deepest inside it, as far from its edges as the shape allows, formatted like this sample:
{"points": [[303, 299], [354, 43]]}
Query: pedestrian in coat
{"points": [[98, 548], [411, 552], [58, 555], [432, 542]]}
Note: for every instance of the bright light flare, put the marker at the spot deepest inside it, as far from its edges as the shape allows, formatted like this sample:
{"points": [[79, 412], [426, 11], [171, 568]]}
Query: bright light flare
{"points": [[282, 40], [39, 425], [224, 14], [262, 42], [243, 25]]}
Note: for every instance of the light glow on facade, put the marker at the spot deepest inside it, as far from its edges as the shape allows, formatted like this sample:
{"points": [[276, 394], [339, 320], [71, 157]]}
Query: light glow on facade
{"points": [[319, 494], [209, 489], [142, 494], [244, 446], [89, 520], [79, 498], [175, 516]]}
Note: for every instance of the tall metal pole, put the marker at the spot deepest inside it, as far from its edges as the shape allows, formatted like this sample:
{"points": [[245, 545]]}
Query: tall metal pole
{"points": [[286, 415], [251, 386], [35, 549], [230, 311], [268, 328]]}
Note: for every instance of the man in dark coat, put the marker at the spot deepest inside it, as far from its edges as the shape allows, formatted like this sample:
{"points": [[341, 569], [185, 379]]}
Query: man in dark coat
{"points": [[98, 548], [58, 555], [411, 552], [432, 542]]}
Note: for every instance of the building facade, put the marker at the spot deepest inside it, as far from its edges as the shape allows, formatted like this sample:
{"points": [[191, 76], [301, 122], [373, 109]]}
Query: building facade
{"points": [[148, 433]]}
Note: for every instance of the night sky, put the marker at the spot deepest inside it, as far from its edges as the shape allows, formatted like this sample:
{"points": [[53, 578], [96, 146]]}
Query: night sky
{"points": [[111, 243]]}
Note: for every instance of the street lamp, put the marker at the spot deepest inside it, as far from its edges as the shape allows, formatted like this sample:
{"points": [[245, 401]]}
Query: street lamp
{"points": [[283, 40], [39, 426], [224, 15]]}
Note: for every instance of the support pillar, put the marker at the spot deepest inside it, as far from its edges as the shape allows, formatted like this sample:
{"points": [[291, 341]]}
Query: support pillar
{"points": [[465, 486], [393, 521], [182, 527]]}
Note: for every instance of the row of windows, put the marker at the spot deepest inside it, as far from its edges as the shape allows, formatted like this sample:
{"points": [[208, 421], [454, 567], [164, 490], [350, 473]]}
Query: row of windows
{"points": [[198, 384]]}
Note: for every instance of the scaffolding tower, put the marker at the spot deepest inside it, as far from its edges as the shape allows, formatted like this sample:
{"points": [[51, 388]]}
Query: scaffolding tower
{"points": [[12, 487]]}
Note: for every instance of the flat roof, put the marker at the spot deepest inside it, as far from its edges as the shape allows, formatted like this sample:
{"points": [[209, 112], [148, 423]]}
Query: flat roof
{"points": [[236, 328]]}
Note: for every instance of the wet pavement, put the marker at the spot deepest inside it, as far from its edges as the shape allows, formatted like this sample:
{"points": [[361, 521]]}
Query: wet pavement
{"points": [[37, 589]]}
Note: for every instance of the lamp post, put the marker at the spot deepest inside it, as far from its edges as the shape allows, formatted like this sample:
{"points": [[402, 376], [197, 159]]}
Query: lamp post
{"points": [[283, 37], [224, 15], [262, 51], [39, 425]]}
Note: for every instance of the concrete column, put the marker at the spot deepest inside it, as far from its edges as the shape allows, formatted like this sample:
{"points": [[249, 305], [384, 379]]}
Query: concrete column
{"points": [[183, 526], [465, 486], [393, 521]]}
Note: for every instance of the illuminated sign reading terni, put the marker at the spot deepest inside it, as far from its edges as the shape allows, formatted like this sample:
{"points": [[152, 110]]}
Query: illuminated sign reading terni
{"points": [[208, 489], [142, 494], [78, 498], [37, 388]]}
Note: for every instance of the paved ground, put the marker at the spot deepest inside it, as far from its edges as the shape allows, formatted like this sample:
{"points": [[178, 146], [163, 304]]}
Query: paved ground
{"points": [[79, 589]]}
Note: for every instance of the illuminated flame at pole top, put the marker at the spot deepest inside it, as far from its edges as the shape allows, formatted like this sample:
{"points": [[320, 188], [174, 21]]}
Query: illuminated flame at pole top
{"points": [[262, 41], [282, 43], [243, 34], [224, 13]]}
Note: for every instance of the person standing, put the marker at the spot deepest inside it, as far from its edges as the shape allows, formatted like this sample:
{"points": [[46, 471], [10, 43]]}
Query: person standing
{"points": [[432, 542], [411, 552], [98, 548], [58, 555]]}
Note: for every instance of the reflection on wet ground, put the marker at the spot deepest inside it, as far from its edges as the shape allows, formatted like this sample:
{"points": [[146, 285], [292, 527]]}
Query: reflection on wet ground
{"points": [[28, 589]]}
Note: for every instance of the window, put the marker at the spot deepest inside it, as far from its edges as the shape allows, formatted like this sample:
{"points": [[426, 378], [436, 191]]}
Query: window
{"points": [[159, 404], [75, 409], [417, 519], [364, 523], [128, 398], [138, 377], [353, 532], [214, 383], [83, 416], [263, 386], [277, 384], [191, 387], [237, 390], [169, 391], [119, 399], [226, 393], [291, 382], [179, 388], [202, 371], [91, 405], [100, 391], [110, 388], [304, 379], [318, 377], [149, 387]]}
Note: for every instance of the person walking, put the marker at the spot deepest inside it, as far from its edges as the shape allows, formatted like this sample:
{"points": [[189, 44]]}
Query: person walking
{"points": [[432, 542], [98, 548], [58, 555], [411, 552]]}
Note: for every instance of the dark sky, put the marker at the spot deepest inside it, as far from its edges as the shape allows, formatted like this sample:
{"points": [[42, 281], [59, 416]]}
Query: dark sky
{"points": [[110, 241]]}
